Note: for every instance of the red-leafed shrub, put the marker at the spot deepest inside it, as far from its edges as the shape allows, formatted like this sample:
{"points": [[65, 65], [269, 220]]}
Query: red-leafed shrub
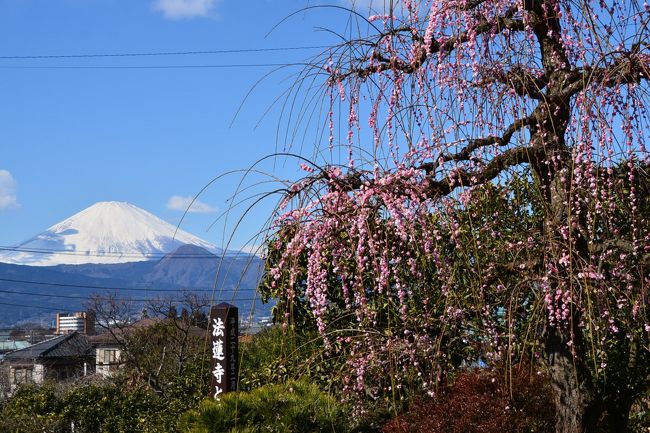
{"points": [[485, 402]]}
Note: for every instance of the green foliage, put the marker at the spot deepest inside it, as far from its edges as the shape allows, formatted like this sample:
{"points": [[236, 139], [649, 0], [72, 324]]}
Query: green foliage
{"points": [[277, 355], [264, 359], [186, 390], [108, 409], [165, 372], [32, 409], [91, 408], [293, 407]]}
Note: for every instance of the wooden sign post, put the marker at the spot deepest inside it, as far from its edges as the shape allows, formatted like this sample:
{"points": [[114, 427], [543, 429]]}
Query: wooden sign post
{"points": [[224, 329]]}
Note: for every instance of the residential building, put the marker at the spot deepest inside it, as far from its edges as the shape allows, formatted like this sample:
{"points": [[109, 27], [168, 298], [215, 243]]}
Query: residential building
{"points": [[59, 358], [108, 353]]}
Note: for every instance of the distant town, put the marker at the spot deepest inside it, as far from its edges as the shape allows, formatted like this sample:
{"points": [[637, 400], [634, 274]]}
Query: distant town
{"points": [[76, 347]]}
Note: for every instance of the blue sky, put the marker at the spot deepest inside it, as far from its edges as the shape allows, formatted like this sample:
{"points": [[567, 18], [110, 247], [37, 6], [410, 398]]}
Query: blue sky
{"points": [[72, 137]]}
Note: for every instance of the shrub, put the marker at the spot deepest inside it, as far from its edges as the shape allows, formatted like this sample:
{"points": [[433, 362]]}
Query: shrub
{"points": [[109, 409], [276, 356], [293, 407], [90, 408], [481, 401], [32, 410]]}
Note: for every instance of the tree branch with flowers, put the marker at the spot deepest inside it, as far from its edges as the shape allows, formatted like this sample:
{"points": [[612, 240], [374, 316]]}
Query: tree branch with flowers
{"points": [[503, 212]]}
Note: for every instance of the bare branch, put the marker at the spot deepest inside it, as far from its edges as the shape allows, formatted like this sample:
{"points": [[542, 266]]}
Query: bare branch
{"points": [[464, 178], [629, 67], [456, 179], [466, 153], [518, 79]]}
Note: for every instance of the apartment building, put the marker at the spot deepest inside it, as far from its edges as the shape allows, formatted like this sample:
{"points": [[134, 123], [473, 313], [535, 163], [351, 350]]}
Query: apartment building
{"points": [[82, 322]]}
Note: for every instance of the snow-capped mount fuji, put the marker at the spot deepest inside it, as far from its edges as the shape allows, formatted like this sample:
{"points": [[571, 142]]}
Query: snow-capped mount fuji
{"points": [[105, 233]]}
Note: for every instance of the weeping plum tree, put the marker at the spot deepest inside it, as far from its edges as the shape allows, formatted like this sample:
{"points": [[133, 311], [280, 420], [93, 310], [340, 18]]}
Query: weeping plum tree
{"points": [[418, 232]]}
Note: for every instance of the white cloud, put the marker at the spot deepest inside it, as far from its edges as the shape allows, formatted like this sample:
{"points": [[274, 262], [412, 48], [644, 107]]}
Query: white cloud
{"points": [[177, 202], [186, 9], [7, 191]]}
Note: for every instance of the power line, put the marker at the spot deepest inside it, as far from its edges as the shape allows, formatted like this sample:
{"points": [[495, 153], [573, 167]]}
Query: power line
{"points": [[65, 308], [30, 306], [49, 295], [46, 295], [97, 253], [133, 289], [104, 298], [162, 53], [222, 66]]}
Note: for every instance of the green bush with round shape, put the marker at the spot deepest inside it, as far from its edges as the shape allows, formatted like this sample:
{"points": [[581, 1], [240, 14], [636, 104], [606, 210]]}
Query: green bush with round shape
{"points": [[293, 407]]}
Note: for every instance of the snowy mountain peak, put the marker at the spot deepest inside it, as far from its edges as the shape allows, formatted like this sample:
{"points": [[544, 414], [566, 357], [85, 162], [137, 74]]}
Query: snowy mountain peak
{"points": [[106, 232]]}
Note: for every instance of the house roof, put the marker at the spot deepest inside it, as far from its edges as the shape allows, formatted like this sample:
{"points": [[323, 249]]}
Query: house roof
{"points": [[65, 346]]}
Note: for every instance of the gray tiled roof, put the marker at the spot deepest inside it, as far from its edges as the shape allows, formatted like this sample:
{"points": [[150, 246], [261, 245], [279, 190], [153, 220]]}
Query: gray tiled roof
{"points": [[64, 346]]}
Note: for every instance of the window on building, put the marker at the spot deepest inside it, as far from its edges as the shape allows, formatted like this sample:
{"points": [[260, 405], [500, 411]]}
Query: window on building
{"points": [[110, 356], [23, 375]]}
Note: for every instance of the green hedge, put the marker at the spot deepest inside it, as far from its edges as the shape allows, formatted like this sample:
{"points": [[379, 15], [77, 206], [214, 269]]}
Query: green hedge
{"points": [[90, 408], [293, 407]]}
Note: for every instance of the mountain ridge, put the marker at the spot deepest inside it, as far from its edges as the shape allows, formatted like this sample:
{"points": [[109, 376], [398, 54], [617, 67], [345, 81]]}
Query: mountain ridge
{"points": [[105, 232], [166, 277], [115, 248]]}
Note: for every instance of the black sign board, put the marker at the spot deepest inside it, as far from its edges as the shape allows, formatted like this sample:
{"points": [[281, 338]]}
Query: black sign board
{"points": [[224, 329]]}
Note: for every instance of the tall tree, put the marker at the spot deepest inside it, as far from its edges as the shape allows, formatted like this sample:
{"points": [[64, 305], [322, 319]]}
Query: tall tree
{"points": [[456, 96], [160, 348]]}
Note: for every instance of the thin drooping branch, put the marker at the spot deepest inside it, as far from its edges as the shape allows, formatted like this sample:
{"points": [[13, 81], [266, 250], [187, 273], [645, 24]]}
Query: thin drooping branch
{"points": [[425, 52]]}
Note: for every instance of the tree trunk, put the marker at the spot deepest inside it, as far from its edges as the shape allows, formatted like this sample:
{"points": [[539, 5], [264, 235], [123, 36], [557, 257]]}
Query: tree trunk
{"points": [[576, 405], [575, 401]]}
